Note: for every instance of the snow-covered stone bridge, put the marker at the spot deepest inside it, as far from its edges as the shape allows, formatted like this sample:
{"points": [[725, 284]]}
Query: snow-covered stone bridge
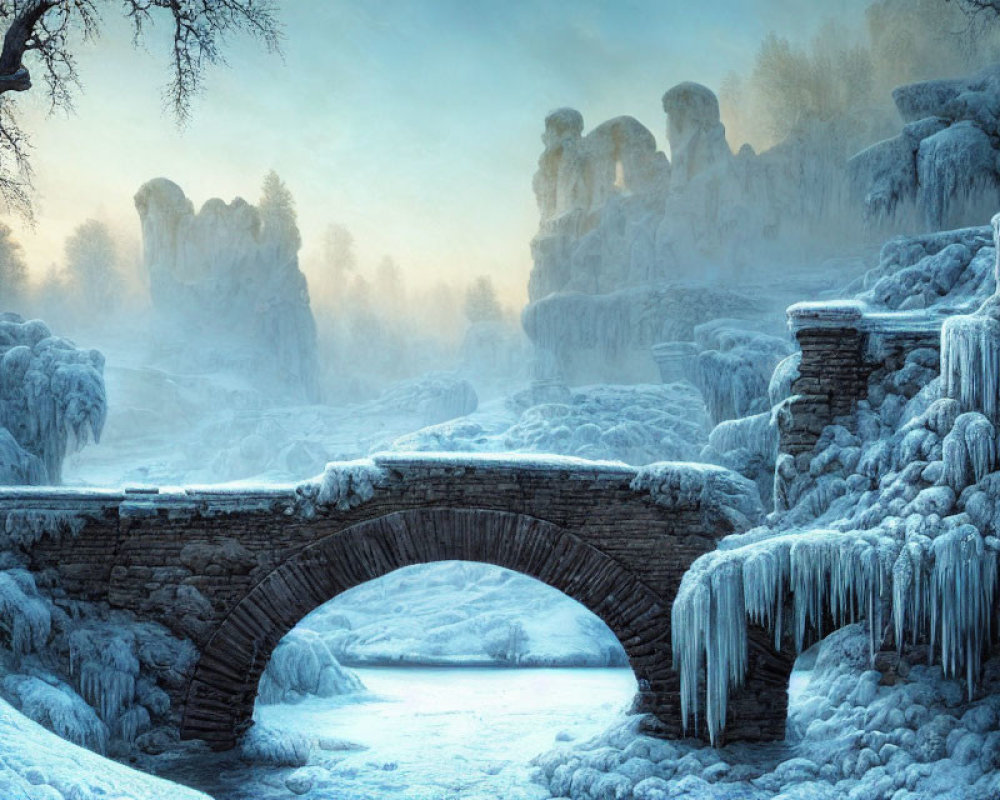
{"points": [[232, 569]]}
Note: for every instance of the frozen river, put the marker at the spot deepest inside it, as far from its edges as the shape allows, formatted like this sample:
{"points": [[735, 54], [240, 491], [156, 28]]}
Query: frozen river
{"points": [[431, 734]]}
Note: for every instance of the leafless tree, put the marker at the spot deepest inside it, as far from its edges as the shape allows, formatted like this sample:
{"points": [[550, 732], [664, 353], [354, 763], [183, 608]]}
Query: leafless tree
{"points": [[43, 34], [989, 8]]}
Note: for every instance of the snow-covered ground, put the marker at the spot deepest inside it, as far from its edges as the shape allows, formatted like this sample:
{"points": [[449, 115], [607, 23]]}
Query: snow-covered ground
{"points": [[426, 733], [37, 765]]}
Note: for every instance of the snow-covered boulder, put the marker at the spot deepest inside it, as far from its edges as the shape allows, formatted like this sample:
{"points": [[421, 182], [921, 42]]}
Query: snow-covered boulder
{"points": [[945, 154], [302, 665]]}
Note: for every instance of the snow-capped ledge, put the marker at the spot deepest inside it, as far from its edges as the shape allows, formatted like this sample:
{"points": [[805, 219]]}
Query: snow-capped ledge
{"points": [[705, 486], [857, 315], [530, 462]]}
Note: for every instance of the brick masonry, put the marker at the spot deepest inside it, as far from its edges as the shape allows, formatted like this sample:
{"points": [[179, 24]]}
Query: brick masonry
{"points": [[842, 345], [233, 571]]}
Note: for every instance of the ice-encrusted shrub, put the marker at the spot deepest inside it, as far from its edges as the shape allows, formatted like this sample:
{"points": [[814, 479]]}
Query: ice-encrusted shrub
{"points": [[734, 369], [25, 617], [749, 446], [274, 747], [116, 665], [52, 398], [343, 485], [303, 665], [105, 666]]}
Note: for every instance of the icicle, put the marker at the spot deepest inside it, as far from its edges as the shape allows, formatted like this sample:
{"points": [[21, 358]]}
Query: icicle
{"points": [[964, 583], [970, 363], [24, 616]]}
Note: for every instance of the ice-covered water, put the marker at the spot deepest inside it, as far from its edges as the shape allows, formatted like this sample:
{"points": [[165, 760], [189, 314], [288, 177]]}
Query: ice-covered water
{"points": [[430, 733]]}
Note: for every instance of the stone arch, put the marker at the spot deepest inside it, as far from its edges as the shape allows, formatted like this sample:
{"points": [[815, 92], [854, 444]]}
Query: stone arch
{"points": [[221, 694]]}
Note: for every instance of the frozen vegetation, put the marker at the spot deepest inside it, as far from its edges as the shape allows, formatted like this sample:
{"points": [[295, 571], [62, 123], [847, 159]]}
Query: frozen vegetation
{"points": [[52, 401]]}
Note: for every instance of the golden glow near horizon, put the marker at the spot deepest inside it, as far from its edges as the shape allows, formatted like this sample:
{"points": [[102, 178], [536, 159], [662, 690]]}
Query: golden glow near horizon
{"points": [[414, 124]]}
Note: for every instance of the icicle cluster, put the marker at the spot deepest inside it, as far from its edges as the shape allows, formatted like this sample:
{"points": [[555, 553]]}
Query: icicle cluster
{"points": [[820, 571], [945, 586], [106, 668], [970, 363], [891, 524], [24, 527], [25, 620]]}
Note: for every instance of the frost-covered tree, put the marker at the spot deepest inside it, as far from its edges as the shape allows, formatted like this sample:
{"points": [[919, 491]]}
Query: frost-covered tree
{"points": [[13, 270], [338, 254], [799, 85], [43, 35], [92, 275], [389, 287], [277, 210], [481, 304]]}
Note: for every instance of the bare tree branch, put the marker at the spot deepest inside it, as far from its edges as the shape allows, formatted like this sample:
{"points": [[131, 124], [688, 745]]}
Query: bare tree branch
{"points": [[48, 31]]}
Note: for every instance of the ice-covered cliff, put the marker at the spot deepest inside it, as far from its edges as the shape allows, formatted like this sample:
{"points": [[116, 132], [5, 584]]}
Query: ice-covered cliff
{"points": [[633, 249], [226, 284]]}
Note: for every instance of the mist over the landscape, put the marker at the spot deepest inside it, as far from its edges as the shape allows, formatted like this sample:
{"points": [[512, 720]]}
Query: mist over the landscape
{"points": [[475, 400]]}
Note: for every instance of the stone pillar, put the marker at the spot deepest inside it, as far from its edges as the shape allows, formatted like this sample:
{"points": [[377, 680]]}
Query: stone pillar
{"points": [[842, 345], [832, 376]]}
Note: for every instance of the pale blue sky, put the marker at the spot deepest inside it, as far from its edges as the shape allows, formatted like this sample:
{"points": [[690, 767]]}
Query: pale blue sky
{"points": [[416, 123]]}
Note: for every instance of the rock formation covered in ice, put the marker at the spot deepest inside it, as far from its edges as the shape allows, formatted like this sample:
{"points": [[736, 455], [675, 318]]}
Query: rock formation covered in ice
{"points": [[892, 520], [637, 424], [302, 665], [226, 279], [52, 401], [633, 250], [946, 154]]}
